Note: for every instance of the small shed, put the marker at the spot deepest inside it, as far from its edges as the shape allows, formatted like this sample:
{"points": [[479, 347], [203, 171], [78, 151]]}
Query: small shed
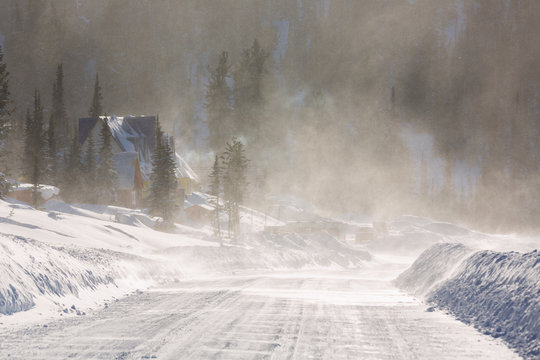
{"points": [[200, 213]]}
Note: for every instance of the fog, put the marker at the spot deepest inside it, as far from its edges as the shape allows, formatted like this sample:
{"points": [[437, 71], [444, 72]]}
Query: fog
{"points": [[344, 86]]}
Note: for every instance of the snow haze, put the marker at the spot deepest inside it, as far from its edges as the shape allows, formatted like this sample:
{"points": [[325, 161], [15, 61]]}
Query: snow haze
{"points": [[269, 179]]}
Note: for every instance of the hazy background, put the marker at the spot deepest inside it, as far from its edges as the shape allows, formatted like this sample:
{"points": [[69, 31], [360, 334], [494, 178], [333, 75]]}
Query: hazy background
{"points": [[370, 107]]}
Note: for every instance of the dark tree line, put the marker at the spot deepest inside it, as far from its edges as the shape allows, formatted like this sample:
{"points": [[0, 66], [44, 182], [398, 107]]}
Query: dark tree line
{"points": [[52, 153]]}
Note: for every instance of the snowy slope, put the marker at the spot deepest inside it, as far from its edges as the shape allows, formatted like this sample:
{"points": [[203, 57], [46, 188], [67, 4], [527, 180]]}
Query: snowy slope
{"points": [[81, 255]]}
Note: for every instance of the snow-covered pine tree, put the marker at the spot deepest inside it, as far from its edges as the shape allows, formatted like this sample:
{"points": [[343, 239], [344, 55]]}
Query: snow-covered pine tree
{"points": [[107, 171], [96, 108], [215, 190], [235, 183], [163, 186]]}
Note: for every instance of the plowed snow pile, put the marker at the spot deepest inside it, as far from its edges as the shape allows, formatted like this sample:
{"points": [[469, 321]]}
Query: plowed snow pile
{"points": [[497, 292], [74, 256]]}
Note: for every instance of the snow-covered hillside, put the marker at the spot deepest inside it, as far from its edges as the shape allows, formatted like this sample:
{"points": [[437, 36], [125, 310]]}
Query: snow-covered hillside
{"points": [[69, 257]]}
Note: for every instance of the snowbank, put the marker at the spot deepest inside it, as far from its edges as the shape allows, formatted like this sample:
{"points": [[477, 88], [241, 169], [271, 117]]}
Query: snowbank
{"points": [[497, 292], [30, 268], [434, 265], [267, 251]]}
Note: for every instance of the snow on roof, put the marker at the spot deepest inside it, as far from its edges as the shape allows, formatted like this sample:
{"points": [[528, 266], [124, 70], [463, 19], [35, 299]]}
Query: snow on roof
{"points": [[202, 206], [46, 191], [196, 198], [183, 170]]}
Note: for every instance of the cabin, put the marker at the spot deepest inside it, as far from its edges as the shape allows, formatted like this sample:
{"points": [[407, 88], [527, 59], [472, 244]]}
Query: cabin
{"points": [[200, 213], [133, 144]]}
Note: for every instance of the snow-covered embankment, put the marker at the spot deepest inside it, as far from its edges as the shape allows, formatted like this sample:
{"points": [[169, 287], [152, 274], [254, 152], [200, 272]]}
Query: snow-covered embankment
{"points": [[497, 292]]}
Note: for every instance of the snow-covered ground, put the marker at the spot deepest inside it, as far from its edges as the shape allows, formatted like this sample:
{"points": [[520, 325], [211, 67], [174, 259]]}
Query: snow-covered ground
{"points": [[306, 315], [262, 295], [71, 257]]}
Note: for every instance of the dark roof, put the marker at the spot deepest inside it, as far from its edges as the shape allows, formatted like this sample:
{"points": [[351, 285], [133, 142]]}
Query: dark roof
{"points": [[85, 127], [144, 127]]}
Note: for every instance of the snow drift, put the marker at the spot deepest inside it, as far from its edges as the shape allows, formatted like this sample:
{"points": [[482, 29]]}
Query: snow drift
{"points": [[497, 292], [30, 268], [88, 253], [267, 251]]}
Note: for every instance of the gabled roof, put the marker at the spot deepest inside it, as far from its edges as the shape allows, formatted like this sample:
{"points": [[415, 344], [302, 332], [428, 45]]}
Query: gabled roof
{"points": [[131, 133]]}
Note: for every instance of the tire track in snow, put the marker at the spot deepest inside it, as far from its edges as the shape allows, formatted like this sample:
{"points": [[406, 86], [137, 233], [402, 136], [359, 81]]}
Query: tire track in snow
{"points": [[257, 318]]}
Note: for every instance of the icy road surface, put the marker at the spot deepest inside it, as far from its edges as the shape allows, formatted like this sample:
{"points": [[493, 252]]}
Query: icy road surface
{"points": [[302, 316]]}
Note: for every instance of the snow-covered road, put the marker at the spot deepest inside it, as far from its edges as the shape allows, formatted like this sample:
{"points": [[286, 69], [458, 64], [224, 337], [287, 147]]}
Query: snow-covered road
{"points": [[279, 316]]}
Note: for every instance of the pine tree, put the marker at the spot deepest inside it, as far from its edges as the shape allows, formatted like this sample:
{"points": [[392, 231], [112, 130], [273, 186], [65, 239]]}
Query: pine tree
{"points": [[96, 108], [71, 189], [52, 155], [59, 117], [90, 170], [5, 102], [248, 90], [235, 183], [5, 121], [28, 144], [106, 171], [218, 98], [163, 186], [35, 148], [215, 190]]}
